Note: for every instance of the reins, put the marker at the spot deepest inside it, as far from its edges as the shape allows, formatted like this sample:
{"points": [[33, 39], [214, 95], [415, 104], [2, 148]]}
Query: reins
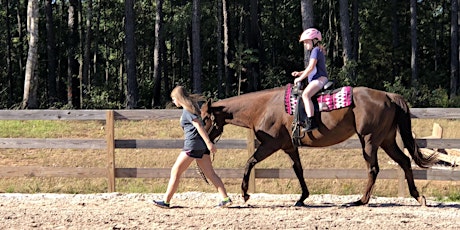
{"points": [[213, 155], [213, 125]]}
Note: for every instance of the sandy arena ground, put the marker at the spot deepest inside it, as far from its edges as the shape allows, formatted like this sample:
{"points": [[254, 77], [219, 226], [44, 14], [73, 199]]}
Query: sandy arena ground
{"points": [[195, 210]]}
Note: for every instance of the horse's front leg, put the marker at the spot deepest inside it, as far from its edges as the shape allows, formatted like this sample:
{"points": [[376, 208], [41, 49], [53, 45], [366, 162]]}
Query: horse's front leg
{"points": [[262, 152], [247, 173]]}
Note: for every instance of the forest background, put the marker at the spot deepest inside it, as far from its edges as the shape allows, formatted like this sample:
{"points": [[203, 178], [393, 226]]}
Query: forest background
{"points": [[101, 54]]}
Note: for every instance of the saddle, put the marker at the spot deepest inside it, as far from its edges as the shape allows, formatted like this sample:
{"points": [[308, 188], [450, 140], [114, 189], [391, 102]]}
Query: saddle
{"points": [[326, 100]]}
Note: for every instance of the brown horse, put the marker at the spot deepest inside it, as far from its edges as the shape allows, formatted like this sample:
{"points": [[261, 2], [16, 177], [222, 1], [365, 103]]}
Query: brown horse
{"points": [[375, 116]]}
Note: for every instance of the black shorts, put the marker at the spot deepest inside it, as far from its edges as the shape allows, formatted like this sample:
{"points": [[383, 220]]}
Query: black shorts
{"points": [[197, 153]]}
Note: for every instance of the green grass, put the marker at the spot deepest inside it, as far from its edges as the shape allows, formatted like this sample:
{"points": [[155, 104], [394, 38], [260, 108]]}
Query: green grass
{"points": [[164, 158], [36, 129], [453, 197], [50, 129]]}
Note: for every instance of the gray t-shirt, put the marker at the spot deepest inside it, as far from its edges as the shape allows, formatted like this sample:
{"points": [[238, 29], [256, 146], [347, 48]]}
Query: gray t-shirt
{"points": [[192, 139]]}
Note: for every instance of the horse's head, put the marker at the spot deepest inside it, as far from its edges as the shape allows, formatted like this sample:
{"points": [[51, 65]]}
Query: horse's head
{"points": [[213, 120]]}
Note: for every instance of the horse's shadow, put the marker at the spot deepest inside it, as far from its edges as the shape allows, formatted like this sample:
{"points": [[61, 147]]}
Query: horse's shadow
{"points": [[331, 205], [445, 205], [251, 206], [387, 205]]}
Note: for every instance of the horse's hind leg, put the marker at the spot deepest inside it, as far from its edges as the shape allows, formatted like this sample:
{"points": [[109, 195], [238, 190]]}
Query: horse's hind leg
{"points": [[395, 153], [370, 155]]}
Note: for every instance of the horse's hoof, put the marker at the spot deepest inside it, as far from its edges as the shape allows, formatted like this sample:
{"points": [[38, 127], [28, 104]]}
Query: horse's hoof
{"points": [[246, 197], [353, 204], [422, 201], [299, 204]]}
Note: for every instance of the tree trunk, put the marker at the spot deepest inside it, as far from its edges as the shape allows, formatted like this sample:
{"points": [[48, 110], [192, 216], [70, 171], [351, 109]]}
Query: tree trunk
{"points": [[72, 64], [346, 38], [228, 81], [81, 52], [9, 47], [164, 64], [157, 54], [51, 49], [454, 49], [187, 48], [61, 42], [132, 87], [121, 82], [345, 31], [21, 37], [106, 48], [196, 47], [395, 37], [86, 73], [413, 30], [94, 66], [356, 30], [219, 51], [239, 52], [30, 83], [253, 41], [306, 9]]}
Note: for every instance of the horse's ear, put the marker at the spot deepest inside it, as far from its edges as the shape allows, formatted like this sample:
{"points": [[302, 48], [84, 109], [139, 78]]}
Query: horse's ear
{"points": [[211, 109], [208, 104]]}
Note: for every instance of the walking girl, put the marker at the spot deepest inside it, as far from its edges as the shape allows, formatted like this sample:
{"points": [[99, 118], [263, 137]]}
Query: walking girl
{"points": [[197, 147]]}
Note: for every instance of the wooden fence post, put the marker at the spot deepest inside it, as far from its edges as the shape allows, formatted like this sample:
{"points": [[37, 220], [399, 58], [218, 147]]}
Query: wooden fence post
{"points": [[110, 138], [251, 149]]}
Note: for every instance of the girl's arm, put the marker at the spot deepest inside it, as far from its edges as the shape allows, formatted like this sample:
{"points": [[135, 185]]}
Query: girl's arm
{"points": [[307, 71], [197, 123]]}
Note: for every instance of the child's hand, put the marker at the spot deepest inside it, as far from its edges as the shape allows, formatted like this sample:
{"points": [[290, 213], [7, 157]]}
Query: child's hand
{"points": [[297, 80], [296, 73]]}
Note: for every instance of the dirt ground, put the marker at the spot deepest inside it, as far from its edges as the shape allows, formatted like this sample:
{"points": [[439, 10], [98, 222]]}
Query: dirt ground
{"points": [[195, 210]]}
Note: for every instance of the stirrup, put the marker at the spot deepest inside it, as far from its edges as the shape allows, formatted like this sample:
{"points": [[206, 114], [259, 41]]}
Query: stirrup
{"points": [[309, 129], [297, 134]]}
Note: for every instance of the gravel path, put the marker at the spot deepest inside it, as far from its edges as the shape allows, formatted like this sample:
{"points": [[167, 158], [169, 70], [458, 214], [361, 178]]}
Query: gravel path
{"points": [[195, 210]]}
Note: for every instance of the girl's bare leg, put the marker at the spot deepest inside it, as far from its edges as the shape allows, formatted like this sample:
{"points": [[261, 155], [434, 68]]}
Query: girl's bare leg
{"points": [[206, 166], [182, 163]]}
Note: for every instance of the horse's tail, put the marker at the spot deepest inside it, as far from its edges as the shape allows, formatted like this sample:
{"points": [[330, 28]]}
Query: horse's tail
{"points": [[403, 120]]}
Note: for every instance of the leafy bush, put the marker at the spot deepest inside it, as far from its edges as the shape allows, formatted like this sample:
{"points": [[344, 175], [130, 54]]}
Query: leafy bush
{"points": [[348, 74], [422, 96], [101, 99]]}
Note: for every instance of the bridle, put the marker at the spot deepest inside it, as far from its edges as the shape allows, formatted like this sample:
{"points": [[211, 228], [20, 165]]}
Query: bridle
{"points": [[213, 125]]}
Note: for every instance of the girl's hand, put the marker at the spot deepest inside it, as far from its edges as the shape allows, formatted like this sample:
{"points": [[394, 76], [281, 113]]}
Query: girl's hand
{"points": [[212, 148], [297, 80], [296, 73]]}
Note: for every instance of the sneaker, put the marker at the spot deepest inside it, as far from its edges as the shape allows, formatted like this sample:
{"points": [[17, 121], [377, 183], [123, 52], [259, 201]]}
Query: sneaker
{"points": [[161, 204], [224, 203]]}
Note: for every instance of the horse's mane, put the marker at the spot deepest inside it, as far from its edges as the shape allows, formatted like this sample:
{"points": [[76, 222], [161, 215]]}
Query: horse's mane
{"points": [[246, 96]]}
